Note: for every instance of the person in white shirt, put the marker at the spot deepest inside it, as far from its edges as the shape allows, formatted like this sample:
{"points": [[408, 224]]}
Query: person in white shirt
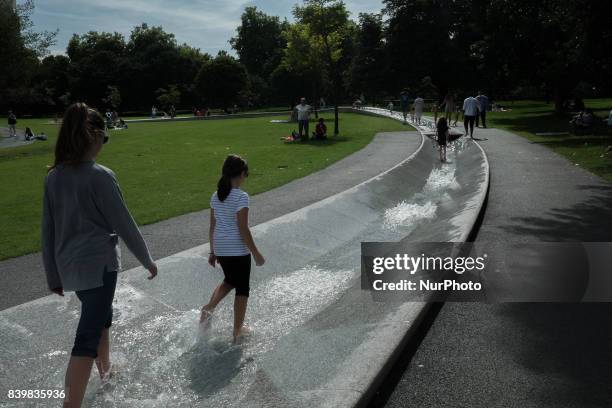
{"points": [[471, 107], [419, 104], [303, 116], [231, 242]]}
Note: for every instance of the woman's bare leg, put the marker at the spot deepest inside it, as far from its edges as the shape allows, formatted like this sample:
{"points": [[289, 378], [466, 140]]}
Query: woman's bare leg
{"points": [[240, 306], [217, 296], [103, 361], [77, 377]]}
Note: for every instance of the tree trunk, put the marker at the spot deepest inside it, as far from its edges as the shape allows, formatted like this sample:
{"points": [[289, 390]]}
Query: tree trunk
{"points": [[336, 122], [559, 101]]}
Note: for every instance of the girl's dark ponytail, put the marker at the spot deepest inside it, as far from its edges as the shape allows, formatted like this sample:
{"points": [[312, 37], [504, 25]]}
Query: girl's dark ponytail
{"points": [[224, 187], [233, 167]]}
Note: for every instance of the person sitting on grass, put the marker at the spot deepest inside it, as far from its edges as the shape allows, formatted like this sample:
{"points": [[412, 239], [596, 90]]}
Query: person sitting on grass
{"points": [[320, 132], [294, 137], [29, 135], [583, 120]]}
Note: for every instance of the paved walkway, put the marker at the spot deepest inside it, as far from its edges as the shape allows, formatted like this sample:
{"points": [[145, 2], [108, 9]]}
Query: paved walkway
{"points": [[6, 141], [522, 355], [22, 279]]}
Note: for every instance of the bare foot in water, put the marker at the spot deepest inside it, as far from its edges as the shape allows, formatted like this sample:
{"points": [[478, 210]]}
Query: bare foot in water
{"points": [[243, 333], [206, 316]]}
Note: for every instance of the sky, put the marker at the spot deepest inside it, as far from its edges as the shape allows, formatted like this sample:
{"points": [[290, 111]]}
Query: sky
{"points": [[204, 24]]}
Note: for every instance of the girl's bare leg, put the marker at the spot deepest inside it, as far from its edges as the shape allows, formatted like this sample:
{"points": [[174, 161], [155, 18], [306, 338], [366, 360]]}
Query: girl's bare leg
{"points": [[217, 296], [103, 361], [77, 377], [240, 306]]}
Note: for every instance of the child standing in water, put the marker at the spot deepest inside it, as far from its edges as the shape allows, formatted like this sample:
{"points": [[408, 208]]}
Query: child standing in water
{"points": [[83, 216], [231, 242], [442, 131]]}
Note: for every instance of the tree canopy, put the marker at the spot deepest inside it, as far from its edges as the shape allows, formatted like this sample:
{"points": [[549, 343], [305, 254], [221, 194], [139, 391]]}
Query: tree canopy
{"points": [[549, 49]]}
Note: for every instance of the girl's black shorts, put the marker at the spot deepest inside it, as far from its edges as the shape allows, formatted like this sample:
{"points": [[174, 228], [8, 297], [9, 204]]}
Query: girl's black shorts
{"points": [[237, 271]]}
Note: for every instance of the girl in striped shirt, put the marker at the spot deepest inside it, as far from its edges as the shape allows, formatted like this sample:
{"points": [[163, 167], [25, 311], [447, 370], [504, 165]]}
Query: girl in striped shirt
{"points": [[231, 242]]}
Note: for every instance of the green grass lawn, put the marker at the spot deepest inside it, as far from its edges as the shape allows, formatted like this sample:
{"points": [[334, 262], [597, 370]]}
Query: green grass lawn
{"points": [[589, 150], [171, 168]]}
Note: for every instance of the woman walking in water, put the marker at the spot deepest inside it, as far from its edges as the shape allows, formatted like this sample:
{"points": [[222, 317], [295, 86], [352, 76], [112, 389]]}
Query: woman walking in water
{"points": [[231, 242], [83, 216]]}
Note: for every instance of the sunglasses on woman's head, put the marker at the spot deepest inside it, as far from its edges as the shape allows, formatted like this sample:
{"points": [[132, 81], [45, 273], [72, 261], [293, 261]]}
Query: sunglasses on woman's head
{"points": [[104, 133]]}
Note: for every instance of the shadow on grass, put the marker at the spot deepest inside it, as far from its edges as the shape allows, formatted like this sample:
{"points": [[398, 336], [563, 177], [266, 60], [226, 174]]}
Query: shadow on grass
{"points": [[330, 141], [568, 344]]}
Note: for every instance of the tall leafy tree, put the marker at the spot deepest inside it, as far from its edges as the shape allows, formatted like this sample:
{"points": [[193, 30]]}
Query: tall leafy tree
{"points": [[259, 41], [20, 49], [98, 60], [331, 34], [221, 80], [368, 66]]}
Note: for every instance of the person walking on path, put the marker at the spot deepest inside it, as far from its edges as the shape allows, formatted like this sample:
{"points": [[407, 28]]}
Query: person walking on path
{"points": [[483, 102], [449, 106], [419, 104], [12, 124], [231, 242], [470, 111], [405, 103], [84, 215], [442, 133], [303, 116]]}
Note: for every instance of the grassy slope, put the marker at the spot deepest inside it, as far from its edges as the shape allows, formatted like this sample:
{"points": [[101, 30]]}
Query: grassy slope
{"points": [[589, 151], [168, 169]]}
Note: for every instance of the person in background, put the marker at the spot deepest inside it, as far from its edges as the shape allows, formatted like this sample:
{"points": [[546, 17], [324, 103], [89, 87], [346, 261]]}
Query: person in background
{"points": [[442, 133], [153, 111], [470, 111], [483, 103], [12, 124], [457, 114], [449, 106], [434, 110], [419, 105], [405, 103], [29, 135], [231, 242], [303, 118], [84, 215], [390, 107], [320, 130], [172, 112], [610, 119]]}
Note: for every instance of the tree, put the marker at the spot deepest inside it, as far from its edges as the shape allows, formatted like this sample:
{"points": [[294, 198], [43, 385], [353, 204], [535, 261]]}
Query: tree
{"points": [[553, 43], [97, 60], [368, 66], [328, 23], [301, 72], [51, 77], [113, 97], [221, 80], [168, 97], [20, 49], [426, 29], [259, 42], [36, 41]]}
